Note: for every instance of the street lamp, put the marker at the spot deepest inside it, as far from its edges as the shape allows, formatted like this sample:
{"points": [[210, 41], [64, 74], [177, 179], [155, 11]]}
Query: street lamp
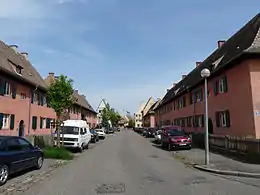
{"points": [[205, 73]]}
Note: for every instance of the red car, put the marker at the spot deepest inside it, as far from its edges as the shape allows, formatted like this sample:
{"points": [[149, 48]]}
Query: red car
{"points": [[174, 137]]}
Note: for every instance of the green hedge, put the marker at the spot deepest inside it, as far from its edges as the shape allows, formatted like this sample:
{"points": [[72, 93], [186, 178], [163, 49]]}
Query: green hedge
{"points": [[57, 153]]}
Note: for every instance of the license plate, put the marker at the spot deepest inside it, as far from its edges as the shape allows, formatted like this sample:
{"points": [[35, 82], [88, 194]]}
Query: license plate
{"points": [[182, 144]]}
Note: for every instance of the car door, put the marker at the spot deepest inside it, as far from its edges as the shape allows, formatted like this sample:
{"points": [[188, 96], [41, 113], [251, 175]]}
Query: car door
{"points": [[29, 152], [16, 156]]}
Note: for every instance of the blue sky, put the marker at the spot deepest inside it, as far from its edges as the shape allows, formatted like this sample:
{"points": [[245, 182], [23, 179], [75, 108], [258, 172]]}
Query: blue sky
{"points": [[121, 50]]}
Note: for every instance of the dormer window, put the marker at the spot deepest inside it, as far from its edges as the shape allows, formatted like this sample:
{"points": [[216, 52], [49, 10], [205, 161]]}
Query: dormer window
{"points": [[17, 69]]}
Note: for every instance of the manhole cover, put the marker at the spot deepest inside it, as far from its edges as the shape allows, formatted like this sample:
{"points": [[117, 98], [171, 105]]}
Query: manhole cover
{"points": [[111, 188]]}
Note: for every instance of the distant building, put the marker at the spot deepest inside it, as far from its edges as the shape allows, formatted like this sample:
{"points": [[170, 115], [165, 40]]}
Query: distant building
{"points": [[100, 107], [149, 119], [138, 115]]}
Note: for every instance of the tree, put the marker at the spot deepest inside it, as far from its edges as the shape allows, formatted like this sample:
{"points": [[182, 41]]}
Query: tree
{"points": [[60, 97], [131, 123], [109, 115]]}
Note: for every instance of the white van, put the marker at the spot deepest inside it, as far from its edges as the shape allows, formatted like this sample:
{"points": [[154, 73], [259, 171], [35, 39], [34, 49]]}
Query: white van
{"points": [[76, 134]]}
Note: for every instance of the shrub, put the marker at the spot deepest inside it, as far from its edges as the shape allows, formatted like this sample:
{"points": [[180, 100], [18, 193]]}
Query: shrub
{"points": [[57, 153]]}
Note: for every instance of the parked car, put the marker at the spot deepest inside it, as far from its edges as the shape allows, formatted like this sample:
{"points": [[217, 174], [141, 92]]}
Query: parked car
{"points": [[158, 136], [110, 130], [174, 137], [17, 154], [76, 134], [150, 132], [94, 136], [101, 133]]}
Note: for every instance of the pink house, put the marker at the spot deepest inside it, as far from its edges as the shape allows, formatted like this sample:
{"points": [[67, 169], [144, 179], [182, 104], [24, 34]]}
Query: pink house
{"points": [[149, 117], [24, 109], [233, 89], [81, 110]]}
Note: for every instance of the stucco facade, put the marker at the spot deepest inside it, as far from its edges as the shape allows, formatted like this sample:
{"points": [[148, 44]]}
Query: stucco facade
{"points": [[18, 107]]}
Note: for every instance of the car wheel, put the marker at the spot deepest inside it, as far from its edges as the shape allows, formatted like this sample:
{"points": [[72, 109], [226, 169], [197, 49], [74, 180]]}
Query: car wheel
{"points": [[39, 162], [81, 148], [4, 174], [87, 146]]}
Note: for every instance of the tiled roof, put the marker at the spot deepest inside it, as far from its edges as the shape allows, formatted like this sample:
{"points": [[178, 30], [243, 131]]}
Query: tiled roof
{"points": [[245, 41], [29, 74], [153, 107], [82, 101]]}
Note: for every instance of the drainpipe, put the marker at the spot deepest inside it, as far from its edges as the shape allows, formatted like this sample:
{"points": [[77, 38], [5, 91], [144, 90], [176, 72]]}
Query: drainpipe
{"points": [[30, 105]]}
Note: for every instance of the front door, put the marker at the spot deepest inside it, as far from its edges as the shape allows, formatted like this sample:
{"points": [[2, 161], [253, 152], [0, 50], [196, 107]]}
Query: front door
{"points": [[21, 129]]}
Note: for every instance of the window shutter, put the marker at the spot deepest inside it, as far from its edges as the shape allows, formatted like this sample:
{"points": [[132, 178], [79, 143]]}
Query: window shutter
{"points": [[216, 87], [39, 99], [1, 120], [225, 83], [48, 123], [32, 96], [184, 101], [201, 94], [41, 122], [194, 97], [34, 122], [228, 118], [1, 86], [12, 122], [5, 84], [202, 120], [14, 91], [217, 119], [48, 102]]}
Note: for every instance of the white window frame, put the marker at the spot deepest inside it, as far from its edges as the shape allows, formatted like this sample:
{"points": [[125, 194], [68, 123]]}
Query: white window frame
{"points": [[7, 88], [223, 119], [200, 121], [23, 96], [6, 120], [221, 85], [43, 123]]}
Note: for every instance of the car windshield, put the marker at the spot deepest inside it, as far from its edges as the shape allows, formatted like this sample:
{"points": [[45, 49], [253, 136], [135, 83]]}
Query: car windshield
{"points": [[175, 132], [70, 130]]}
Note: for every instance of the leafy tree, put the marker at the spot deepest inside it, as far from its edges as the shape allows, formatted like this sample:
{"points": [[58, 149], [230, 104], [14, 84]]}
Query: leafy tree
{"points": [[131, 123], [109, 115], [60, 97]]}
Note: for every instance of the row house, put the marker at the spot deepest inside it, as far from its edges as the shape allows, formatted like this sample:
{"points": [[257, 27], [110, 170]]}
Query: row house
{"points": [[24, 109], [150, 102], [138, 118], [233, 89], [81, 110], [149, 117]]}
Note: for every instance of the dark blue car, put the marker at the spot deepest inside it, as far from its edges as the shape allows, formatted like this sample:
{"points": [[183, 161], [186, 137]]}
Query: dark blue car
{"points": [[17, 154]]}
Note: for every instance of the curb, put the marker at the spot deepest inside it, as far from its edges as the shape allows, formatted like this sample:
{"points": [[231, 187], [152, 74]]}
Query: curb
{"points": [[224, 172]]}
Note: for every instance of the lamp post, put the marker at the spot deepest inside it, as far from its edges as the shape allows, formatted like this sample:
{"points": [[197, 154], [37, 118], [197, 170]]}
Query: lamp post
{"points": [[205, 73]]}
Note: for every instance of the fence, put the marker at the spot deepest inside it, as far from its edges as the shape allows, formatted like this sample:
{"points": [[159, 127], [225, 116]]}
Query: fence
{"points": [[241, 145], [41, 140]]}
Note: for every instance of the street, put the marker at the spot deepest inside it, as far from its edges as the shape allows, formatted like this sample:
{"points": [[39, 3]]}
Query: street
{"points": [[127, 163]]}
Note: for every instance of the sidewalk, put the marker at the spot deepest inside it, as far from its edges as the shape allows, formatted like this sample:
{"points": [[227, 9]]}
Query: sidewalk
{"points": [[218, 162]]}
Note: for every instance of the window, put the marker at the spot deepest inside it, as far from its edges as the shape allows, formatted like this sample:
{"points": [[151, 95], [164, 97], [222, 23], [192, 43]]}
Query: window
{"points": [[48, 123], [7, 88], [13, 144], [220, 86], [5, 121], [24, 144], [18, 70], [201, 121], [23, 96], [223, 119], [42, 123], [35, 95], [34, 122]]}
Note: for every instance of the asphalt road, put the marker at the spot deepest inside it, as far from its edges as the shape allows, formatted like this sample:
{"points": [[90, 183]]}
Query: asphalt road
{"points": [[129, 164]]}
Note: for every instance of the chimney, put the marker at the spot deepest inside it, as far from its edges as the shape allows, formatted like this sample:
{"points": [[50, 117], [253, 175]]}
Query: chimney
{"points": [[76, 91], [51, 74], [220, 43], [14, 47], [198, 63], [183, 76], [25, 55]]}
